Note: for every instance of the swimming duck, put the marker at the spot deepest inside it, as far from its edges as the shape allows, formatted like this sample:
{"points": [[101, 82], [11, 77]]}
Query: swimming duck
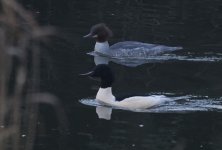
{"points": [[101, 33], [105, 96]]}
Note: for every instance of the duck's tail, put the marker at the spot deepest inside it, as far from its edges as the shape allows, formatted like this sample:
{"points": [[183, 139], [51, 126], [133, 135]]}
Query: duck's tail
{"points": [[177, 48], [164, 49]]}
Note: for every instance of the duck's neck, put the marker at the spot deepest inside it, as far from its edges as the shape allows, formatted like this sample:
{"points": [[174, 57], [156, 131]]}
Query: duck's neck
{"points": [[101, 46], [105, 95]]}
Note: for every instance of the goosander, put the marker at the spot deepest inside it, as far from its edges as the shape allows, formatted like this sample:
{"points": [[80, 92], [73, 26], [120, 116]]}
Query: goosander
{"points": [[129, 49], [105, 96]]}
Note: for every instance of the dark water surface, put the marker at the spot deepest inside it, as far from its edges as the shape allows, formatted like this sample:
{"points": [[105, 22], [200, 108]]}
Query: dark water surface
{"points": [[195, 71]]}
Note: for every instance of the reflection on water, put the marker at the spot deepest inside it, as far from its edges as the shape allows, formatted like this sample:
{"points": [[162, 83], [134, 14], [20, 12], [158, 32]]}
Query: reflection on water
{"points": [[104, 112], [100, 60], [143, 59], [177, 125]]}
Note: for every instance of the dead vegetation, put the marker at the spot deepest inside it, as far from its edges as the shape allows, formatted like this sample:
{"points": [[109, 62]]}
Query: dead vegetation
{"points": [[20, 38]]}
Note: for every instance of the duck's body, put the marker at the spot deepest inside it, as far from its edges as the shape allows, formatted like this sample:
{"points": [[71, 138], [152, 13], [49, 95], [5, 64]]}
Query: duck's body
{"points": [[127, 48], [132, 49], [139, 49], [105, 96]]}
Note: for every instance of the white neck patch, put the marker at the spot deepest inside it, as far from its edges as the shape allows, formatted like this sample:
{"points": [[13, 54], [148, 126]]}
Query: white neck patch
{"points": [[105, 95], [102, 47]]}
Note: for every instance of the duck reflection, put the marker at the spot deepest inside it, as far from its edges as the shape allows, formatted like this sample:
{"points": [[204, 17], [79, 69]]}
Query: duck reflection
{"points": [[101, 60], [104, 112]]}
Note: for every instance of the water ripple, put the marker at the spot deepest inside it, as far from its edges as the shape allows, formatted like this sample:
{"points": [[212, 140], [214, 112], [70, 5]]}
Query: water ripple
{"points": [[175, 104]]}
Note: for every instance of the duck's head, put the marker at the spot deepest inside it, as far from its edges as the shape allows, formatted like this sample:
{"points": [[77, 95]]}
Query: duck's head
{"points": [[104, 73], [100, 32]]}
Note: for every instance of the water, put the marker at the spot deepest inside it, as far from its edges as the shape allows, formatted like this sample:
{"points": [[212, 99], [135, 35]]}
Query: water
{"points": [[194, 122]]}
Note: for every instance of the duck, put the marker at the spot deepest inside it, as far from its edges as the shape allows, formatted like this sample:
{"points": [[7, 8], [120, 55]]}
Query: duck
{"points": [[128, 49], [105, 96]]}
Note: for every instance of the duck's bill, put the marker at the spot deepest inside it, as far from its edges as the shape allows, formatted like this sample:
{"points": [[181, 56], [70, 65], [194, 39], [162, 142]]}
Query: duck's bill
{"points": [[90, 75], [90, 36], [87, 74]]}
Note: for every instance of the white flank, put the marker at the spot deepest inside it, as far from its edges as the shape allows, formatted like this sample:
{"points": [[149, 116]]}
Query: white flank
{"points": [[106, 97]]}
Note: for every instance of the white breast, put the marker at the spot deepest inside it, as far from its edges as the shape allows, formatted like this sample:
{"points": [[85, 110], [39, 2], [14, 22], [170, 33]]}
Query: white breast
{"points": [[104, 95], [102, 47]]}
